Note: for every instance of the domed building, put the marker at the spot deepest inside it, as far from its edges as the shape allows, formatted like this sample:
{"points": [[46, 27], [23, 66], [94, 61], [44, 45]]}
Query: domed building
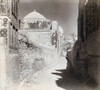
{"points": [[35, 20], [41, 31]]}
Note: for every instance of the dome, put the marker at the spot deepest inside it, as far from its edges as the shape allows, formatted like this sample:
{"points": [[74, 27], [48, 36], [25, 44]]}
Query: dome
{"points": [[34, 15]]}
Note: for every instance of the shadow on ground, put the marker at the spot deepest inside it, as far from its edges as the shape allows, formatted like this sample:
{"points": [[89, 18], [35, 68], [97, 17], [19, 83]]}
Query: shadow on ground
{"points": [[72, 81]]}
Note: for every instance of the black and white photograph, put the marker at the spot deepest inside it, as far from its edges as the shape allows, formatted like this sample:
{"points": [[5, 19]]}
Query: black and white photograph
{"points": [[49, 44]]}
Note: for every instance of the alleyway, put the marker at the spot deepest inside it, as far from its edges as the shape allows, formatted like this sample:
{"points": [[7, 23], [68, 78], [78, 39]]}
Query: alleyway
{"points": [[44, 79], [48, 80]]}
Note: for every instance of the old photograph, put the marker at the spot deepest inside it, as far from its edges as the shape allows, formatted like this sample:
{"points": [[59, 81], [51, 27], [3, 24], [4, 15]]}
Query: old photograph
{"points": [[49, 44]]}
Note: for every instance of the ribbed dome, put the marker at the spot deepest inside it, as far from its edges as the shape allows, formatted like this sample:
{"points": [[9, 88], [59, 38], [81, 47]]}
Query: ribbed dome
{"points": [[34, 15]]}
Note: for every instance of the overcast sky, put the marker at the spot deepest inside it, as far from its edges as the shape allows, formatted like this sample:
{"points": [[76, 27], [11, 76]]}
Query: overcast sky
{"points": [[64, 11]]}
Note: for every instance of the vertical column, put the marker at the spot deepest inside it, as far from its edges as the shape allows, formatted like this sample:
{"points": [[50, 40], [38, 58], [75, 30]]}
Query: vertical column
{"points": [[2, 64]]}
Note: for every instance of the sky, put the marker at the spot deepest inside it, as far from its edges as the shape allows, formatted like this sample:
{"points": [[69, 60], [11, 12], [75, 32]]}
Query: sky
{"points": [[63, 11]]}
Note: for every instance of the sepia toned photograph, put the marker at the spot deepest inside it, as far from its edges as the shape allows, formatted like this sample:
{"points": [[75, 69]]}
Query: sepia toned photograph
{"points": [[49, 44]]}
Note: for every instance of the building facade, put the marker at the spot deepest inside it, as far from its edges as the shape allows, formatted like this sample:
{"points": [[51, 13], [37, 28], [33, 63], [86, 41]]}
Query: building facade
{"points": [[86, 52], [9, 23]]}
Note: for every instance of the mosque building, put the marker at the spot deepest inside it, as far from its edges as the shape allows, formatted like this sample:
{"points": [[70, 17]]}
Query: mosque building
{"points": [[41, 31]]}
